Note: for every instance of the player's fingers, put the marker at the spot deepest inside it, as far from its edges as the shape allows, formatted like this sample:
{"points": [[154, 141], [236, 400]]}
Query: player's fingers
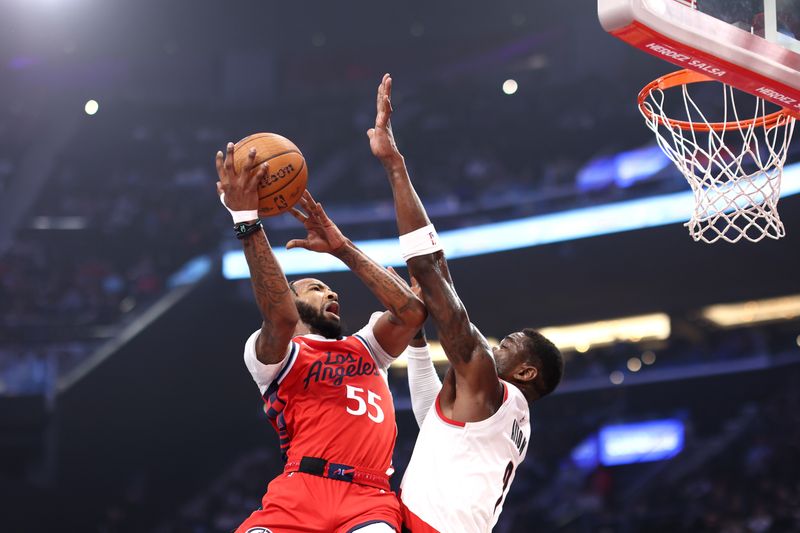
{"points": [[220, 161], [299, 215], [384, 87], [389, 108], [229, 168], [251, 161], [253, 178], [379, 96], [306, 205], [219, 188], [384, 112], [319, 210], [370, 133], [297, 243], [320, 214], [311, 206]]}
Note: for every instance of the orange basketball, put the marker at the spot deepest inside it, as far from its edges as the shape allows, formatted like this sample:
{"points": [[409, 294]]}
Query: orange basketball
{"points": [[286, 180]]}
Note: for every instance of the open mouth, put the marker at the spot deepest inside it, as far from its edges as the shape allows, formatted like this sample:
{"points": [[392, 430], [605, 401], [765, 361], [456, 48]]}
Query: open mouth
{"points": [[333, 309]]}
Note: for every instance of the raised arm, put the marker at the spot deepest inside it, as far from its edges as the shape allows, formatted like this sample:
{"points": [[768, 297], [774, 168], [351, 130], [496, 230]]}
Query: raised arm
{"points": [[273, 296], [478, 391], [405, 312]]}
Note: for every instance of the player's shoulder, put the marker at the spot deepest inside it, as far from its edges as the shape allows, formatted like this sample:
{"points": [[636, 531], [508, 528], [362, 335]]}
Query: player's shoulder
{"points": [[513, 399]]}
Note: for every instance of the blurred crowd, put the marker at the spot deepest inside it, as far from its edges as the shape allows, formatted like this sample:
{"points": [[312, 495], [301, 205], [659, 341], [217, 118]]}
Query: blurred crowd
{"points": [[754, 487], [131, 198], [98, 244]]}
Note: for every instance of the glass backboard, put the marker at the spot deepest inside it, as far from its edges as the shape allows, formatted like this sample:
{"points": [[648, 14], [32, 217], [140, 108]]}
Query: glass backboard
{"points": [[777, 21], [753, 45]]}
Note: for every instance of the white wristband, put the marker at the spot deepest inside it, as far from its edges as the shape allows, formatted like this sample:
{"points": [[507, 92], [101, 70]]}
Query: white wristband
{"points": [[239, 216], [421, 241], [420, 353]]}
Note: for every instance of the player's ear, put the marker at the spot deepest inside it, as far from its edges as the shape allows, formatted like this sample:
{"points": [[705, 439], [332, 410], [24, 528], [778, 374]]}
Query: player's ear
{"points": [[526, 372]]}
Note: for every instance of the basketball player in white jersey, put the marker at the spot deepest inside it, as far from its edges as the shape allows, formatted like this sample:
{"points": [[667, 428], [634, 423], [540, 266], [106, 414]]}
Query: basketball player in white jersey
{"points": [[478, 429]]}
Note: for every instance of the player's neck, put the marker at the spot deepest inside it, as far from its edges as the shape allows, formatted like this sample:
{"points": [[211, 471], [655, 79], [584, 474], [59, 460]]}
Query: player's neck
{"points": [[525, 389], [302, 329]]}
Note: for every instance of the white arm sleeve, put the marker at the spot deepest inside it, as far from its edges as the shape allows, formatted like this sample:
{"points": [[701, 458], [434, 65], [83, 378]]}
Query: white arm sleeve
{"points": [[382, 359], [423, 381], [263, 374]]}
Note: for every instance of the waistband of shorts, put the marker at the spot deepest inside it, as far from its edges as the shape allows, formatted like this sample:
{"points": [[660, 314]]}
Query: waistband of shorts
{"points": [[317, 466]]}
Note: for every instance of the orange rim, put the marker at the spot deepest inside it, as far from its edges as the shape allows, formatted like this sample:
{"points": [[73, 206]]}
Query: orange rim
{"points": [[685, 77]]}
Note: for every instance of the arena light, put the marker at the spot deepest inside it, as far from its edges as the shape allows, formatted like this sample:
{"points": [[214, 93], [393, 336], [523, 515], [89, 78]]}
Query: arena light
{"points": [[511, 235], [639, 328], [642, 442], [510, 86], [59, 223], [753, 312], [91, 107]]}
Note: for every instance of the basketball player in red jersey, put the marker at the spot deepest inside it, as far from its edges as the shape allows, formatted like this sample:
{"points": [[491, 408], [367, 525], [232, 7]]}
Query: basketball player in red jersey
{"points": [[477, 430], [326, 395]]}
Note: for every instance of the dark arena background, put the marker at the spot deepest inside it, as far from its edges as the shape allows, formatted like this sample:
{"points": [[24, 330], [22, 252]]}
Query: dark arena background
{"points": [[125, 405]]}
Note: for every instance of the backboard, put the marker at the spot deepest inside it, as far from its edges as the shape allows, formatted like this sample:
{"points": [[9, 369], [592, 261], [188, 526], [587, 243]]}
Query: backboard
{"points": [[753, 45]]}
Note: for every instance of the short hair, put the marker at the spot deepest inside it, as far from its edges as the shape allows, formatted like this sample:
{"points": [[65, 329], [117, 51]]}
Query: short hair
{"points": [[545, 356]]}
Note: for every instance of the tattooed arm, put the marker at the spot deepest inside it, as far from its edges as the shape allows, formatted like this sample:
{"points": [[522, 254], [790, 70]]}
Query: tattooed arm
{"points": [[274, 299], [273, 296], [405, 312]]}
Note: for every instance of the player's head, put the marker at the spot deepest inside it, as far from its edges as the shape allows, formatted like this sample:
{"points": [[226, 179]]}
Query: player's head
{"points": [[318, 307], [531, 362]]}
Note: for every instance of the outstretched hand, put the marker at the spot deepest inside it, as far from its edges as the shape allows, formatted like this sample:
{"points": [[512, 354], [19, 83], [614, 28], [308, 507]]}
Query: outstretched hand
{"points": [[381, 138], [240, 188], [323, 235]]}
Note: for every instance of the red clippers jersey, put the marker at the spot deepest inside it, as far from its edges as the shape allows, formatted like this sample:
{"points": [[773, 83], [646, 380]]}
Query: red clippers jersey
{"points": [[330, 399]]}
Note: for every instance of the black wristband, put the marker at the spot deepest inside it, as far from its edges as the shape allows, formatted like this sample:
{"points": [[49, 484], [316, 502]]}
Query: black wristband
{"points": [[243, 229]]}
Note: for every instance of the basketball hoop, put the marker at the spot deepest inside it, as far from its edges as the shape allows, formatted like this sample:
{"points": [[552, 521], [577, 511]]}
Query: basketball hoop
{"points": [[733, 166]]}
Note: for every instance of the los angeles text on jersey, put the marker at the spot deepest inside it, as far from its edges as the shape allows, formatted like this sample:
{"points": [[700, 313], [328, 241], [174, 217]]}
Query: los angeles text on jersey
{"points": [[518, 437], [334, 367]]}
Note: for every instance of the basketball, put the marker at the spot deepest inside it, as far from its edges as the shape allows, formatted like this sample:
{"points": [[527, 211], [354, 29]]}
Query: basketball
{"points": [[286, 180]]}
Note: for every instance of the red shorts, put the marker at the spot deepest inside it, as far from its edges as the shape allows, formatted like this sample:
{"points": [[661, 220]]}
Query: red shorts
{"points": [[298, 502]]}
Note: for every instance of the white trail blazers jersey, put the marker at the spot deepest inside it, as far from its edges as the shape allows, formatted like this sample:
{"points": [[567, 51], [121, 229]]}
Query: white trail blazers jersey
{"points": [[460, 473]]}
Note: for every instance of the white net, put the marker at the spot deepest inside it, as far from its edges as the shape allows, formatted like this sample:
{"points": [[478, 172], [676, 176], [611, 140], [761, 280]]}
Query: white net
{"points": [[734, 166]]}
